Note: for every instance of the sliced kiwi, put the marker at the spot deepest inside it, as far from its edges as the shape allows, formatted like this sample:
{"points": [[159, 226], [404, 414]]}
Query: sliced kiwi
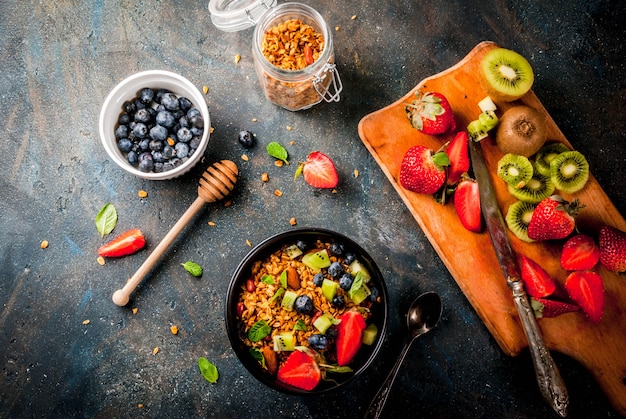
{"points": [[522, 130], [289, 298], [506, 75], [546, 154], [515, 170], [538, 188], [517, 218], [284, 341], [569, 171], [489, 119]]}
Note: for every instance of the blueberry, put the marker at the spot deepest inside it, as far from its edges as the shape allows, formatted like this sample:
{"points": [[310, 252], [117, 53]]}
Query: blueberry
{"points": [[318, 279], [304, 304], [197, 131], [143, 115], [158, 157], [345, 282], [182, 150], [146, 164], [331, 333], [338, 301], [176, 162], [156, 145], [196, 121], [335, 269], [124, 119], [246, 138], [129, 107], [195, 143], [318, 342], [125, 145], [184, 135], [168, 152], [121, 132], [144, 144], [183, 121], [336, 249], [158, 132], [158, 167], [302, 245], [184, 104], [140, 130], [165, 118], [374, 294], [170, 101], [132, 157], [349, 258], [139, 104], [193, 112], [146, 95]]}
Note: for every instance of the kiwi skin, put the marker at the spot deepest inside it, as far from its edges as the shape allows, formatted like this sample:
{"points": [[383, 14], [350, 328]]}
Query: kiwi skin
{"points": [[522, 131], [506, 75]]}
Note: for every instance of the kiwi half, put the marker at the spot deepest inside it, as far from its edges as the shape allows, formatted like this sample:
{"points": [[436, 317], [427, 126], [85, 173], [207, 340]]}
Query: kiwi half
{"points": [[546, 154], [569, 171], [522, 130], [517, 218], [538, 188], [506, 75], [515, 170]]}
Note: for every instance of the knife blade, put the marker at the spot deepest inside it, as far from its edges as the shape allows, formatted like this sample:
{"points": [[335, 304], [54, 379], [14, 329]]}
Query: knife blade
{"points": [[549, 379]]}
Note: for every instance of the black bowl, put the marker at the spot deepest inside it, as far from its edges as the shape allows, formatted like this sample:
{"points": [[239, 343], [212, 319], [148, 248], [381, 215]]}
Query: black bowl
{"points": [[366, 354]]}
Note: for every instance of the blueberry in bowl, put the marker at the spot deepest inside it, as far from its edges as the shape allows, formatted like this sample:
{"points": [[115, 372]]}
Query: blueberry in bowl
{"points": [[155, 125], [290, 321]]}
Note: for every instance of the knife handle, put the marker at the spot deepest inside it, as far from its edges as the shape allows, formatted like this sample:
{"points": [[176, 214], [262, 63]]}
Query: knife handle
{"points": [[549, 379]]}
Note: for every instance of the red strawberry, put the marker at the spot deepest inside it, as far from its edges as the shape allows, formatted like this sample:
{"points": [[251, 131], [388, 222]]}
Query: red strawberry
{"points": [[551, 308], [422, 171], [553, 218], [537, 282], [126, 243], [467, 204], [579, 253], [612, 243], [300, 370], [350, 333], [318, 171], [587, 289], [458, 153], [431, 114]]}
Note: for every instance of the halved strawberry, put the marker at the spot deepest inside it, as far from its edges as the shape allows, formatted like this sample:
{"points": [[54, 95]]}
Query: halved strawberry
{"points": [[587, 289], [350, 333], [301, 371], [458, 153], [467, 204], [544, 307], [537, 282], [580, 253], [319, 171], [612, 243], [423, 171], [126, 243]]}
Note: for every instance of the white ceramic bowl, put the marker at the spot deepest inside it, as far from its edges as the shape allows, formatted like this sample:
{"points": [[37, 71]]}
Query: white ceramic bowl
{"points": [[127, 90]]}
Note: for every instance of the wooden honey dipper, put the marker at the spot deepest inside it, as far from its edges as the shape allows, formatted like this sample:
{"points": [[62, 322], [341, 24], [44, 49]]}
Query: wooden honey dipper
{"points": [[217, 181]]}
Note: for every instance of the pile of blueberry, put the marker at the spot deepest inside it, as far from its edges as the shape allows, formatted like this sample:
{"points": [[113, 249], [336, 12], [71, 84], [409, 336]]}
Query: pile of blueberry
{"points": [[158, 131]]}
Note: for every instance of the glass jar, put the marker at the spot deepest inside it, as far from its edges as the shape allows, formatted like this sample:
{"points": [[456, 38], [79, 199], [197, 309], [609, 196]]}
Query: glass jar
{"points": [[296, 89]]}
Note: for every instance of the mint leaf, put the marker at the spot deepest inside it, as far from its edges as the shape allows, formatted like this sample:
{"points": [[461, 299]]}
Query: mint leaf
{"points": [[208, 370], [268, 279], [277, 151], [193, 268], [258, 331], [106, 219], [300, 325], [283, 279], [278, 293], [256, 354]]}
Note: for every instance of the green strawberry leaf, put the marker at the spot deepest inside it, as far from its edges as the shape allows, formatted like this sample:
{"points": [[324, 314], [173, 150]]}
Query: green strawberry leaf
{"points": [[193, 268], [106, 219], [208, 370], [277, 151]]}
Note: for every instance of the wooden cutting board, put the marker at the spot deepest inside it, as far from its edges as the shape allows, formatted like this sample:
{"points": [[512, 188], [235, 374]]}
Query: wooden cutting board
{"points": [[470, 258]]}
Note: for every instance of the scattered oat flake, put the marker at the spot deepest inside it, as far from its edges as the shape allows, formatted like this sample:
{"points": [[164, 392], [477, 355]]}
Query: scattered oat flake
{"points": [[211, 130], [134, 310], [142, 194], [277, 192], [289, 128], [44, 244], [174, 329], [249, 243], [86, 321], [237, 58], [171, 141], [254, 119], [279, 163], [356, 172], [353, 17], [101, 260], [337, 28], [211, 223], [155, 350], [140, 406], [293, 221], [228, 203], [205, 89], [292, 142], [265, 177], [245, 157]]}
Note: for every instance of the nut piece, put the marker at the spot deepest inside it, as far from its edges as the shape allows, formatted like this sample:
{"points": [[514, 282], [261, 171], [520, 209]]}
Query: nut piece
{"points": [[174, 329], [44, 244], [265, 177], [293, 279], [271, 361], [293, 221]]}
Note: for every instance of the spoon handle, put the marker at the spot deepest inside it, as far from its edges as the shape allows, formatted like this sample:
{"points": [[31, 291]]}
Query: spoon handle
{"points": [[378, 403]]}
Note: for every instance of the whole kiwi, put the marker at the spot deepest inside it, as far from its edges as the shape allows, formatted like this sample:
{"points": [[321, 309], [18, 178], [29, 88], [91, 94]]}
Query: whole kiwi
{"points": [[522, 130]]}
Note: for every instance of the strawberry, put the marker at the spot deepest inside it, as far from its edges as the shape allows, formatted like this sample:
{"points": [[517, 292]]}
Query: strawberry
{"points": [[551, 308], [579, 253], [126, 243], [553, 218], [349, 335], [587, 289], [430, 113], [301, 371], [537, 282], [422, 171], [319, 171], [612, 243], [458, 153], [467, 204]]}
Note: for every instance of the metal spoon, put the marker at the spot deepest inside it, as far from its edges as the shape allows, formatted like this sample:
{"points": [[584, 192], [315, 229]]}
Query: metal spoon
{"points": [[423, 315]]}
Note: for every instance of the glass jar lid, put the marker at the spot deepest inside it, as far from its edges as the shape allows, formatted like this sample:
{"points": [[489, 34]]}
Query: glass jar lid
{"points": [[236, 15]]}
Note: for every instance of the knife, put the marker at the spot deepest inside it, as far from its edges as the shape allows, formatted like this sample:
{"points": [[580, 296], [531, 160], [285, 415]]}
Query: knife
{"points": [[549, 379]]}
